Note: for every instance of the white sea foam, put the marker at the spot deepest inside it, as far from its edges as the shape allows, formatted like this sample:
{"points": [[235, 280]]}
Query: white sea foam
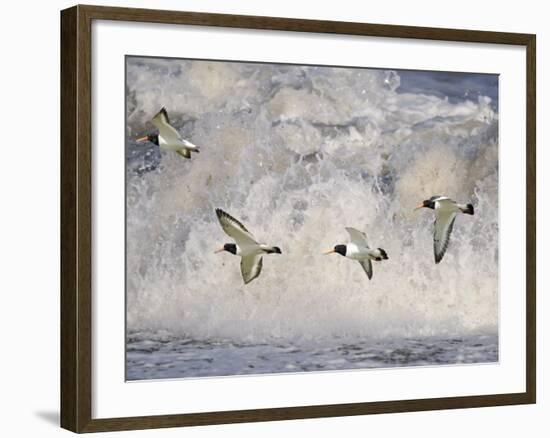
{"points": [[297, 154]]}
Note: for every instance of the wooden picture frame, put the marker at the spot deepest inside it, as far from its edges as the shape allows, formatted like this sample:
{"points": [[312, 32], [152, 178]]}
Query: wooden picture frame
{"points": [[76, 217]]}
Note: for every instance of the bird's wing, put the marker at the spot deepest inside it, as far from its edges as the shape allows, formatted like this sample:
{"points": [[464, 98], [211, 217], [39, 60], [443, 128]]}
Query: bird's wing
{"points": [[358, 237], [367, 267], [185, 153], [166, 131], [443, 226], [251, 266], [233, 228]]}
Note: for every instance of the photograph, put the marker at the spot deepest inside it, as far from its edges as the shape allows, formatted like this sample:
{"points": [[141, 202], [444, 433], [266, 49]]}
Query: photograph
{"points": [[287, 218]]}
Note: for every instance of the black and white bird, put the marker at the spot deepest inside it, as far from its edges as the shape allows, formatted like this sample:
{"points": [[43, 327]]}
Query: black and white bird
{"points": [[445, 214], [245, 246], [358, 249], [168, 138]]}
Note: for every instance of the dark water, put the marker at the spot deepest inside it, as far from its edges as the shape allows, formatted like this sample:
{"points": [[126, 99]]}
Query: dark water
{"points": [[457, 87], [160, 356]]}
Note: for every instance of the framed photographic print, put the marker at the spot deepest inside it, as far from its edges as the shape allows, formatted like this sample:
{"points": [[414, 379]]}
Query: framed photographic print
{"points": [[270, 218]]}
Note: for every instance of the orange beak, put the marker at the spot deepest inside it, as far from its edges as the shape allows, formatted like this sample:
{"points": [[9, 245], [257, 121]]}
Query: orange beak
{"points": [[142, 139], [219, 250], [419, 207], [329, 252]]}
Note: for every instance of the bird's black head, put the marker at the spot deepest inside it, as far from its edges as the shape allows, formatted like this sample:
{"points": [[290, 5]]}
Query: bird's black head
{"points": [[230, 247], [383, 253], [276, 250], [340, 249], [428, 203], [153, 138]]}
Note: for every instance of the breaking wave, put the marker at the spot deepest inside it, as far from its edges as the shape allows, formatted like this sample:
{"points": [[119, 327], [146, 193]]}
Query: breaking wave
{"points": [[298, 153]]}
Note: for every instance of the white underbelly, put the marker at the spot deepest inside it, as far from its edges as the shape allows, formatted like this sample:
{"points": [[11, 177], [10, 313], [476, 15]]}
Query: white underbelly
{"points": [[356, 253], [447, 207], [171, 146], [249, 250]]}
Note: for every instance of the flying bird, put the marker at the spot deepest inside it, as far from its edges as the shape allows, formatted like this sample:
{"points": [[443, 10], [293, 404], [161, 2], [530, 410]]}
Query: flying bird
{"points": [[168, 138], [445, 214], [245, 246], [358, 249]]}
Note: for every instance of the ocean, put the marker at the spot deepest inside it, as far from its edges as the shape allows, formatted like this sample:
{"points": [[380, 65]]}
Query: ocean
{"points": [[298, 153]]}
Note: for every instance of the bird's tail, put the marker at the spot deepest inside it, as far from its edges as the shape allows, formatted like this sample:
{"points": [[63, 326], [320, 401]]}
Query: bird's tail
{"points": [[272, 250], [190, 146], [467, 209]]}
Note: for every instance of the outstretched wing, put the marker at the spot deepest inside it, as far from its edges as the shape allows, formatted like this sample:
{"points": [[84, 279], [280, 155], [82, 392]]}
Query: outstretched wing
{"points": [[166, 131], [233, 228], [251, 266], [367, 267], [162, 116], [358, 237], [443, 226]]}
